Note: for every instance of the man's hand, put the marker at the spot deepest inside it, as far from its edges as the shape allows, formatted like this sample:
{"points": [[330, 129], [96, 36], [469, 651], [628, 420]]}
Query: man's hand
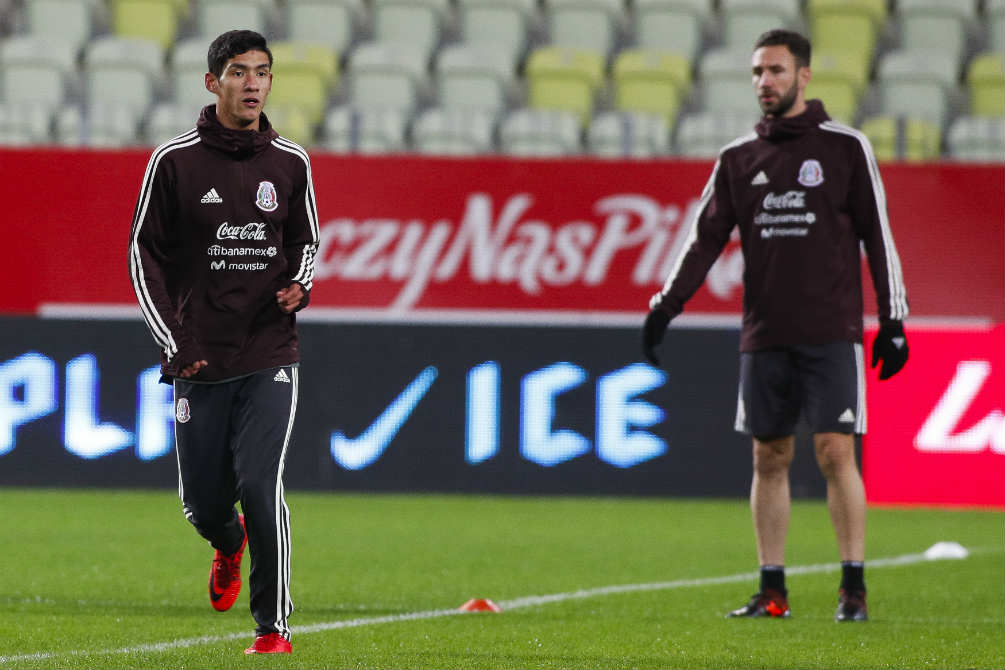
{"points": [[191, 369], [890, 347], [289, 298], [652, 333]]}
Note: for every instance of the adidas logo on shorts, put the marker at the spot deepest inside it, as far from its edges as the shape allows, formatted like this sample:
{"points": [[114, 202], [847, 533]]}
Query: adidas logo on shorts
{"points": [[281, 376]]}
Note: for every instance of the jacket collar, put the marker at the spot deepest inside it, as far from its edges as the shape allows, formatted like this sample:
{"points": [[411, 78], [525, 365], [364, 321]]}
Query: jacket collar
{"points": [[237, 143], [778, 128]]}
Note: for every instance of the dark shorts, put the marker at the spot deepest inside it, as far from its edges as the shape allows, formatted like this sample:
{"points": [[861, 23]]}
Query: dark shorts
{"points": [[819, 387]]}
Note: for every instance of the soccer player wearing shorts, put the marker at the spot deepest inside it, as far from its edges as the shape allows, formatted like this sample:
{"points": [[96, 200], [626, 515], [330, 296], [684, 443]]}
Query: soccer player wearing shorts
{"points": [[221, 255], [806, 195]]}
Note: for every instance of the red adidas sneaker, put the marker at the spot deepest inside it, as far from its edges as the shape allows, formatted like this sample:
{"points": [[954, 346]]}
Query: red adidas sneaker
{"points": [[225, 576], [270, 643]]}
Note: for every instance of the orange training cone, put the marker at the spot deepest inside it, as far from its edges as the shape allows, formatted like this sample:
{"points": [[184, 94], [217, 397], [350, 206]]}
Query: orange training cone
{"points": [[480, 605]]}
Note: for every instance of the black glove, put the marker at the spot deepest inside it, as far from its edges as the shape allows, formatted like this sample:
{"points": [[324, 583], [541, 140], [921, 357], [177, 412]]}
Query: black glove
{"points": [[652, 333], [890, 347]]}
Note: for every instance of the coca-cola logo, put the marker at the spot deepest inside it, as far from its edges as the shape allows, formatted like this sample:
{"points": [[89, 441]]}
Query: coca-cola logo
{"points": [[249, 231], [787, 200], [508, 245]]}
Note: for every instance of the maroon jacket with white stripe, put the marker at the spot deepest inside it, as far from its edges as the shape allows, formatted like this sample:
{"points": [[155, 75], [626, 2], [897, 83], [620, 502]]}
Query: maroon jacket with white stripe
{"points": [[803, 191], [224, 219]]}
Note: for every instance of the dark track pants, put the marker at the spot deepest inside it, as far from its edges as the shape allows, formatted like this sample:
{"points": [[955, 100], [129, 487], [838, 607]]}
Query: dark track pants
{"points": [[231, 440]]}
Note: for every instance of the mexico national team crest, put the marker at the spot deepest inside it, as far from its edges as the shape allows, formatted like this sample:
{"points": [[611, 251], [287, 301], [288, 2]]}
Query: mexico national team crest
{"points": [[181, 411], [266, 196], [811, 173]]}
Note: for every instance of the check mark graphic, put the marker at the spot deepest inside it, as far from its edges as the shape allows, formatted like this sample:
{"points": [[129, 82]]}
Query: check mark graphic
{"points": [[357, 453]]}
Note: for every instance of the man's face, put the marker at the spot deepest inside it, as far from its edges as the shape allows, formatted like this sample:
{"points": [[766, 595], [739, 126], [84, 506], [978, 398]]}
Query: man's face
{"points": [[778, 83], [241, 90]]}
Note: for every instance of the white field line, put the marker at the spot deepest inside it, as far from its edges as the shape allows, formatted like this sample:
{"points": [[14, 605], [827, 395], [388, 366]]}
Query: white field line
{"points": [[505, 605]]}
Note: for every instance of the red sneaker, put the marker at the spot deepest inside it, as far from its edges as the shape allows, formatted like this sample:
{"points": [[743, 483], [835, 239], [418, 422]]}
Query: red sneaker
{"points": [[225, 576], [270, 643]]}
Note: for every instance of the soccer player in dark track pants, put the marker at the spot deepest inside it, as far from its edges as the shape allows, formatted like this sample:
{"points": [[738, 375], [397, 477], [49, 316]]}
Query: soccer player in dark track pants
{"points": [[231, 440]]}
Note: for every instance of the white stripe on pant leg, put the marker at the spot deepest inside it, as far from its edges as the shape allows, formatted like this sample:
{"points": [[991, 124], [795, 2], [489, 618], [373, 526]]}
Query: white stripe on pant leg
{"points": [[860, 411], [282, 521]]}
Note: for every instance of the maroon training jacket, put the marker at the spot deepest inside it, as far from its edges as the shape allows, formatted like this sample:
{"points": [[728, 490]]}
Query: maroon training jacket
{"points": [[224, 219], [804, 191]]}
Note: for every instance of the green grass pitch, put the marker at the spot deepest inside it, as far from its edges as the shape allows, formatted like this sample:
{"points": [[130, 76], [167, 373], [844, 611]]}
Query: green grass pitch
{"points": [[117, 579]]}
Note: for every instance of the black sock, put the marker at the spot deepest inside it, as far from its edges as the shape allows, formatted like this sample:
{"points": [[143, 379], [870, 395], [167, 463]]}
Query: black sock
{"points": [[853, 575], [773, 577]]}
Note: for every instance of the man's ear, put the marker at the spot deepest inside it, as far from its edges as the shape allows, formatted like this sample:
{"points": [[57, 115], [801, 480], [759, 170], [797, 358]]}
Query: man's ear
{"points": [[212, 83], [804, 76]]}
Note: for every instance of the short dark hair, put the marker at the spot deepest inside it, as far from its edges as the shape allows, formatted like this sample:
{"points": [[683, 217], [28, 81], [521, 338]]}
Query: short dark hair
{"points": [[233, 43], [798, 45]]}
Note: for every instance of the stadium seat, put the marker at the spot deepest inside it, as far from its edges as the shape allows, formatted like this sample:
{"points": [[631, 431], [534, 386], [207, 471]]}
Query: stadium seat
{"points": [[977, 139], [874, 10], [908, 139], [727, 82], [995, 19], [986, 81], [99, 124], [67, 21], [23, 123], [835, 30], [672, 24], [845, 65], [333, 23], [628, 135], [154, 20], [540, 133], [168, 120], [124, 70], [564, 79], [368, 131], [936, 24], [916, 84], [291, 121], [34, 69], [214, 17], [745, 20], [473, 77], [654, 82], [303, 75], [384, 75], [498, 25], [928, 65], [188, 67], [413, 22], [703, 134], [839, 98], [585, 24], [453, 132]]}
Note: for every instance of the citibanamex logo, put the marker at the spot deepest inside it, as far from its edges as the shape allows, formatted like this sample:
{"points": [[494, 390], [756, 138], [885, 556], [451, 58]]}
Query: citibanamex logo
{"points": [[507, 244], [249, 231]]}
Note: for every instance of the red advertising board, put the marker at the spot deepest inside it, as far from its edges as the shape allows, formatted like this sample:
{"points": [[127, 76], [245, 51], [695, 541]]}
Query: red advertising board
{"points": [[403, 236], [937, 428]]}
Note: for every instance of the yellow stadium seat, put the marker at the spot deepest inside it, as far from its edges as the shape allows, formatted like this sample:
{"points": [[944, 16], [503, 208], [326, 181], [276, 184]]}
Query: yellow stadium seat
{"points": [[653, 82], [909, 139], [154, 20], [564, 79], [291, 121], [303, 76], [839, 98], [843, 65], [843, 32], [874, 10], [986, 79]]}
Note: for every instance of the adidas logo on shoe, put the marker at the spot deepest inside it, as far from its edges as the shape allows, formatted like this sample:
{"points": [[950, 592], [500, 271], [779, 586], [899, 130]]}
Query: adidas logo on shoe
{"points": [[281, 376], [211, 197]]}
